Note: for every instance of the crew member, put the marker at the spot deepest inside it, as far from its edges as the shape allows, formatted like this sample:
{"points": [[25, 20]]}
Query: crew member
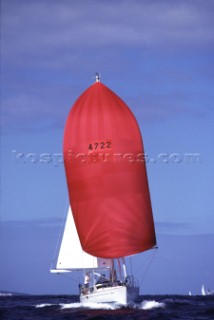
{"points": [[87, 282]]}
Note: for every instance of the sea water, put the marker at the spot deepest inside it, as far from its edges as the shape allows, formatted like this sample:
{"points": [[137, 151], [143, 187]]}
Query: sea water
{"points": [[21, 307]]}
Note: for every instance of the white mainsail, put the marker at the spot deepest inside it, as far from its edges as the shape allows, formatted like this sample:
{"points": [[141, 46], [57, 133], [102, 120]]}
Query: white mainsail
{"points": [[203, 291], [71, 257]]}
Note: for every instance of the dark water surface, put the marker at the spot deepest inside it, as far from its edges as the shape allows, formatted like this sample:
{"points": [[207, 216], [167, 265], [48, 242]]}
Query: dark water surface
{"points": [[20, 307]]}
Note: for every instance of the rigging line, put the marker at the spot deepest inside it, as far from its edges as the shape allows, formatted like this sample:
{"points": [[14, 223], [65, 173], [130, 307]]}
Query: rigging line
{"points": [[140, 267], [131, 266], [148, 266], [60, 235], [66, 276]]}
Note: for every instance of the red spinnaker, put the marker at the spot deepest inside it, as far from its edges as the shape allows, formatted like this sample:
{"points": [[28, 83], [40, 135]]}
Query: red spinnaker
{"points": [[106, 176]]}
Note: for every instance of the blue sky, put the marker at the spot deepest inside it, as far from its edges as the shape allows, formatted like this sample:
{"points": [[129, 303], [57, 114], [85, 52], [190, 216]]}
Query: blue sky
{"points": [[158, 57]]}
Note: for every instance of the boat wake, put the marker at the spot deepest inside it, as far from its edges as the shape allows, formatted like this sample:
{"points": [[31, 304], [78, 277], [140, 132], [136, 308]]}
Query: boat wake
{"points": [[5, 294], [68, 307], [91, 305], [43, 305], [148, 305], [78, 305], [144, 305]]}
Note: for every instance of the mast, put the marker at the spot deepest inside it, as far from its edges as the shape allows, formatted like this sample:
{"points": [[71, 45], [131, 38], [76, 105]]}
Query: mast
{"points": [[97, 76], [124, 268]]}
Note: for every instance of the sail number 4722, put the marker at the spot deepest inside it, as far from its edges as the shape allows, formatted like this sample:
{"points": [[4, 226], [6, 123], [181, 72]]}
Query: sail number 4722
{"points": [[100, 145]]}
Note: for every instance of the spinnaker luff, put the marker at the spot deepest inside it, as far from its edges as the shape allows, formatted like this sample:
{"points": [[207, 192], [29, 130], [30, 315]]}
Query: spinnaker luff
{"points": [[106, 176]]}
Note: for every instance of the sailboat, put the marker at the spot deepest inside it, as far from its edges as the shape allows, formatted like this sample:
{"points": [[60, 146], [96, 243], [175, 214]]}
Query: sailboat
{"points": [[110, 214], [205, 292]]}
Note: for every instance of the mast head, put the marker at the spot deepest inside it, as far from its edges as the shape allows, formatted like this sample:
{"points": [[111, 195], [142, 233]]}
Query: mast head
{"points": [[97, 76]]}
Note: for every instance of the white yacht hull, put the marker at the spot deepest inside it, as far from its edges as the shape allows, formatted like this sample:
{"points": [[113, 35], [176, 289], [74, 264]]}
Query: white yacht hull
{"points": [[118, 294]]}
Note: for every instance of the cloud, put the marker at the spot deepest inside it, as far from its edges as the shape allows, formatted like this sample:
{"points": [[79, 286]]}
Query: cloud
{"points": [[50, 47], [39, 27], [33, 110], [162, 228], [155, 107], [173, 228], [33, 223], [179, 228]]}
